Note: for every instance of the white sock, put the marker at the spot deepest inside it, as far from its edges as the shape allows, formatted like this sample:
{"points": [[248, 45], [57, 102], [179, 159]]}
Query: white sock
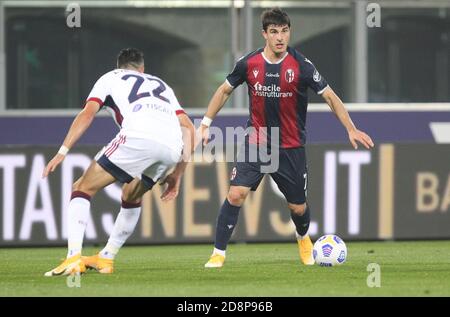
{"points": [[78, 214], [123, 228], [217, 251]]}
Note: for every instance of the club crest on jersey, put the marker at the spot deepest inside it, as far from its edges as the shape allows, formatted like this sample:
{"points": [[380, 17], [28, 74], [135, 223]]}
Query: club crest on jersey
{"points": [[290, 75], [233, 173], [255, 72], [316, 76]]}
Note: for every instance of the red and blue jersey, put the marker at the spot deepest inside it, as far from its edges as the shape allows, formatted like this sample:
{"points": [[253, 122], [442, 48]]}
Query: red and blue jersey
{"points": [[278, 95]]}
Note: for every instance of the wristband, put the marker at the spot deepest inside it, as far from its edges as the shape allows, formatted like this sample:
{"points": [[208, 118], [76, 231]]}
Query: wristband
{"points": [[206, 121], [63, 150]]}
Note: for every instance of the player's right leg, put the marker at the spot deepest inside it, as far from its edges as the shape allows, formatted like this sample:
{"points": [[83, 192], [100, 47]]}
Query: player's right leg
{"points": [[245, 176], [92, 180], [226, 222]]}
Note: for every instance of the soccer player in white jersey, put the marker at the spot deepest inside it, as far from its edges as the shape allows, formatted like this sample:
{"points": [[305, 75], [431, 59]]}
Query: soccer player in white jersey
{"points": [[155, 135]]}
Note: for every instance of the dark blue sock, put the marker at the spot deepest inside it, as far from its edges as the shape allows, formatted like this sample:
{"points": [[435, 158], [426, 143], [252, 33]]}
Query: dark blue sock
{"points": [[226, 221], [301, 222]]}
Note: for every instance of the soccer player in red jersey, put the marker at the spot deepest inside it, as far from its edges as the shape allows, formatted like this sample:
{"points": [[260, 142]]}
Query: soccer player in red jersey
{"points": [[278, 78]]}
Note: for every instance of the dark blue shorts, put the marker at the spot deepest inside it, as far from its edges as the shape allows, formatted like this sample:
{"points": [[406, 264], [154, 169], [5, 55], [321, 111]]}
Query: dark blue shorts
{"points": [[290, 174]]}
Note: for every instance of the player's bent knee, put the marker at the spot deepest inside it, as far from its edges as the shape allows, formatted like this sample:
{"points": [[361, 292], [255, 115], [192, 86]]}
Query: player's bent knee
{"points": [[129, 204], [80, 186], [128, 196], [133, 192], [131, 198], [298, 209], [236, 197]]}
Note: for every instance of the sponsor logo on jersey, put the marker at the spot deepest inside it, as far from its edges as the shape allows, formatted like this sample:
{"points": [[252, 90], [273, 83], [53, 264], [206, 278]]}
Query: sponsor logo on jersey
{"points": [[270, 91], [272, 75], [290, 75], [137, 107], [255, 72]]}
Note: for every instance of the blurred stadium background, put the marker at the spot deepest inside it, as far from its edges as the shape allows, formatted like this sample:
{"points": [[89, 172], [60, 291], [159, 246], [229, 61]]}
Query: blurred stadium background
{"points": [[394, 79]]}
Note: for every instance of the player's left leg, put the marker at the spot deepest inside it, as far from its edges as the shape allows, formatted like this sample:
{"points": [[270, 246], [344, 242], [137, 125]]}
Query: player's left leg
{"points": [[150, 164], [291, 179], [300, 215], [124, 226], [127, 218]]}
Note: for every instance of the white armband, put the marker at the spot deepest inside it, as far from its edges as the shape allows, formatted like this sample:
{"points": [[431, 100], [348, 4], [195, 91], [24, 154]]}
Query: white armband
{"points": [[206, 121], [63, 150]]}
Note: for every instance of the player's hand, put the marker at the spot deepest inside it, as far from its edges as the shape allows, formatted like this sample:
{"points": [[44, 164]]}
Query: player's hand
{"points": [[202, 135], [361, 137], [51, 166], [173, 187]]}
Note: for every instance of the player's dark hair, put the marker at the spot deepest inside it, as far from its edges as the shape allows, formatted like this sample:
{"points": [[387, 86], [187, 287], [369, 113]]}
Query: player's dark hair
{"points": [[130, 57], [274, 16]]}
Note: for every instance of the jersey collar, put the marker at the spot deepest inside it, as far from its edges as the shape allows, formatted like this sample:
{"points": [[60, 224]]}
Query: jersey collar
{"points": [[267, 60]]}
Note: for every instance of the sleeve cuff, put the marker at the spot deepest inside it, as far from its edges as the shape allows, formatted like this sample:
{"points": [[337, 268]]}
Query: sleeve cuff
{"points": [[322, 90], [97, 100], [178, 112], [226, 80]]}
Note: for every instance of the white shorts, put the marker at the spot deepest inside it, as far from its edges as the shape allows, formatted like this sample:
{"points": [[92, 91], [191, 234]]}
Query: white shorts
{"points": [[127, 157]]}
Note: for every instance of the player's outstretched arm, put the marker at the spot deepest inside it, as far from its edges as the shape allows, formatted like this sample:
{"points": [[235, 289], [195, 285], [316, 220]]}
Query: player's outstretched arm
{"points": [[338, 108], [79, 125], [215, 104]]}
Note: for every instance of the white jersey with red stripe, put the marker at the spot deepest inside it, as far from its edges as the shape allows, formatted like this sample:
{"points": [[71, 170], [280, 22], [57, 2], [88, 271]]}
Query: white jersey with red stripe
{"points": [[144, 106]]}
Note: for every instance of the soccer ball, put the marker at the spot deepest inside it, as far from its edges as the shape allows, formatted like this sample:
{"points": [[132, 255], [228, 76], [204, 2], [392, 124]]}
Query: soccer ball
{"points": [[329, 250]]}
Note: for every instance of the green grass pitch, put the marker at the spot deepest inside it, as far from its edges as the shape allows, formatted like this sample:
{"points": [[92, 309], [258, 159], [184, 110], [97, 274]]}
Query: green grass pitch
{"points": [[407, 269]]}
